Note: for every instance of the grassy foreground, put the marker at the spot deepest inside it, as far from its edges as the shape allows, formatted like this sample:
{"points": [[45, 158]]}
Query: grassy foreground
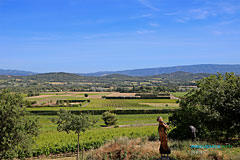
{"points": [[124, 148]]}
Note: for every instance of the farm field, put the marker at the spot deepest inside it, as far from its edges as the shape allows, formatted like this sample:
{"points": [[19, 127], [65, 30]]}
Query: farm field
{"points": [[179, 94], [97, 103], [52, 141]]}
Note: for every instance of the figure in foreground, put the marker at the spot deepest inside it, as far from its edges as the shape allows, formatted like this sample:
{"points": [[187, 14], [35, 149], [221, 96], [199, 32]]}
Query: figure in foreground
{"points": [[162, 130]]}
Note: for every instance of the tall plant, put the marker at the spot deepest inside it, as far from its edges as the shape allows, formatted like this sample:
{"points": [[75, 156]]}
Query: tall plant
{"points": [[68, 122]]}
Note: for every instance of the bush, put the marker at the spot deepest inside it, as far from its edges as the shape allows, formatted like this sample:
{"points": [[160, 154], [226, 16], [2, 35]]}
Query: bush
{"points": [[213, 108], [17, 128], [109, 118]]}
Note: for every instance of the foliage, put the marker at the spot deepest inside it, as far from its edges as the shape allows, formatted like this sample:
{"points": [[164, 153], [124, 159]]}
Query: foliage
{"points": [[109, 118], [213, 108], [31, 94], [17, 129], [69, 122]]}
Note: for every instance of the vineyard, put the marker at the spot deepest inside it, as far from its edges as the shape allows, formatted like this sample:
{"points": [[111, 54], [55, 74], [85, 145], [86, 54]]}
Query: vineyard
{"points": [[52, 141]]}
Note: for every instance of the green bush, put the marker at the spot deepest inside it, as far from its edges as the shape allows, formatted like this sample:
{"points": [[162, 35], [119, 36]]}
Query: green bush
{"points": [[17, 129], [213, 108], [109, 118]]}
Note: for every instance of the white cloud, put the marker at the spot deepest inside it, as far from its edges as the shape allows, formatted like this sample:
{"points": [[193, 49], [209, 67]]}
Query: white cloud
{"points": [[144, 31], [171, 13], [148, 15], [147, 4], [199, 13], [154, 24], [183, 20], [218, 33], [226, 32], [46, 38], [208, 9], [227, 22]]}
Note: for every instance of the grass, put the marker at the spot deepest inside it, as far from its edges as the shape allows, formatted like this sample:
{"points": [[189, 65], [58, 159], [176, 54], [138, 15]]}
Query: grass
{"points": [[179, 94]]}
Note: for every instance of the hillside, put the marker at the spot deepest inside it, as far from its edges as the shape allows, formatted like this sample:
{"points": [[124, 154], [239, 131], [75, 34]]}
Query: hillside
{"points": [[55, 77], [16, 72], [69, 77], [182, 76], [201, 68]]}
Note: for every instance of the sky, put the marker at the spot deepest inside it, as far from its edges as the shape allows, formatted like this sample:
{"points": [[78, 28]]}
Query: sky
{"points": [[82, 36]]}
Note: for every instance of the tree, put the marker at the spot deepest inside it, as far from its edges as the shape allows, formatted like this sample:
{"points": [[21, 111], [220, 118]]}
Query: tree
{"points": [[213, 108], [68, 122], [109, 118], [86, 95], [17, 128]]}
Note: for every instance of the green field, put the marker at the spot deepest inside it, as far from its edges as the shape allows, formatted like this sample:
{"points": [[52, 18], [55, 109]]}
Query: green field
{"points": [[130, 125], [108, 104], [52, 141], [179, 94]]}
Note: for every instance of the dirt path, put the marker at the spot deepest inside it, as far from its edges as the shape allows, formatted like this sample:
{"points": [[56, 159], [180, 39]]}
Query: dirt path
{"points": [[134, 125], [85, 105]]}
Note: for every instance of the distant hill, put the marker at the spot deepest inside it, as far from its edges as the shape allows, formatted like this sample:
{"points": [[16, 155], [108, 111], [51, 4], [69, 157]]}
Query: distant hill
{"points": [[55, 77], [182, 76], [201, 68], [15, 72]]}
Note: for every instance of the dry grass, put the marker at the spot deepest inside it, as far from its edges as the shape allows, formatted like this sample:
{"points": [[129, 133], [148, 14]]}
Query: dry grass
{"points": [[162, 104], [125, 149], [117, 94]]}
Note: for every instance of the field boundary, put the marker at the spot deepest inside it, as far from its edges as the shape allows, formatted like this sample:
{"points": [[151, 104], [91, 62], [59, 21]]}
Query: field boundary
{"points": [[99, 112]]}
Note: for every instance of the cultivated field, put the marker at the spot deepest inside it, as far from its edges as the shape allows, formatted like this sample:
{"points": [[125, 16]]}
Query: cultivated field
{"points": [[97, 103], [50, 141], [133, 126]]}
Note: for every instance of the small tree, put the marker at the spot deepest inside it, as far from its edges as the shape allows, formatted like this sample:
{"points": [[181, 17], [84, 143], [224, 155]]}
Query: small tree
{"points": [[86, 95], [17, 128], [109, 118], [67, 122]]}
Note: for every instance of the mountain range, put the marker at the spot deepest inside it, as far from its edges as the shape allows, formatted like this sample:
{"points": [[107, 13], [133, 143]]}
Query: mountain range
{"points": [[9, 72], [201, 68]]}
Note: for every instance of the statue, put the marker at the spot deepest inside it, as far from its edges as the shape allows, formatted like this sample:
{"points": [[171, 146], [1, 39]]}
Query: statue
{"points": [[162, 130], [193, 131]]}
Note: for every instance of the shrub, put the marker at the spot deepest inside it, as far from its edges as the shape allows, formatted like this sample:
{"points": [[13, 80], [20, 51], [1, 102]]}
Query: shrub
{"points": [[109, 118], [213, 108], [17, 128]]}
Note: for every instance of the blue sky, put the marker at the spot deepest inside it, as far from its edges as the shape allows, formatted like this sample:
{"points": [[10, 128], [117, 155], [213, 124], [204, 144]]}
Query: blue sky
{"points": [[107, 35]]}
